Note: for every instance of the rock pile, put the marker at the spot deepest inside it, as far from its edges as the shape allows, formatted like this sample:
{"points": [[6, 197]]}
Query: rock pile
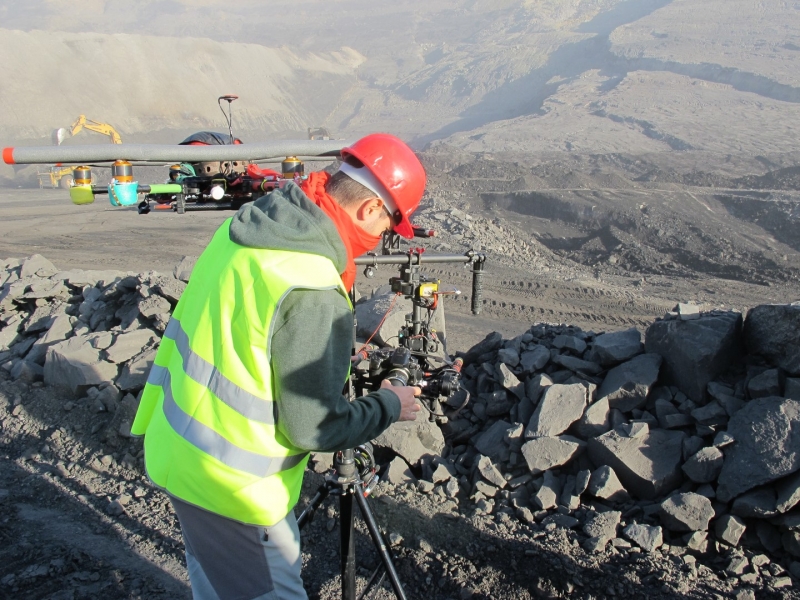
{"points": [[687, 436], [91, 332]]}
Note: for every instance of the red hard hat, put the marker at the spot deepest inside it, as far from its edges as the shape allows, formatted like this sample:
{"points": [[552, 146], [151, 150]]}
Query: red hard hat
{"points": [[397, 169]]}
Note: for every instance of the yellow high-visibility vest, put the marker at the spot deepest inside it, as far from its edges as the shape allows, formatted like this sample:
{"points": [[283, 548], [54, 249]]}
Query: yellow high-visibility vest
{"points": [[207, 411]]}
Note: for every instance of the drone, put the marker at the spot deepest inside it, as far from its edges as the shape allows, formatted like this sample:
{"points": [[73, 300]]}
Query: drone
{"points": [[207, 170]]}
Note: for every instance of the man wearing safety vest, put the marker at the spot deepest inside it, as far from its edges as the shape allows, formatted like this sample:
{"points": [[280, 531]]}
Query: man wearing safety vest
{"points": [[249, 374]]}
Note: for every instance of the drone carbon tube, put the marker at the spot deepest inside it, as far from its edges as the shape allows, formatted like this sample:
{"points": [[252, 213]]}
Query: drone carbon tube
{"points": [[160, 153]]}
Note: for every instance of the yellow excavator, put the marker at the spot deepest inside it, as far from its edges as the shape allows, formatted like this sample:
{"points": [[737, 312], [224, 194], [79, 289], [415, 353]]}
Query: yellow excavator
{"points": [[58, 176]]}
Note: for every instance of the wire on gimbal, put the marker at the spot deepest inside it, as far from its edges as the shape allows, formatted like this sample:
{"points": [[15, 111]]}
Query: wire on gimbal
{"points": [[378, 328]]}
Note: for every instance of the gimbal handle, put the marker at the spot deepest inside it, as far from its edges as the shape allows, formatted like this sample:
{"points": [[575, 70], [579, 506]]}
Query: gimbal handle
{"points": [[418, 258]]}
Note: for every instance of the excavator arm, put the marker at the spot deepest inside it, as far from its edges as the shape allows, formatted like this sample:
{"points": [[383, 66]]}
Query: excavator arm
{"points": [[104, 128]]}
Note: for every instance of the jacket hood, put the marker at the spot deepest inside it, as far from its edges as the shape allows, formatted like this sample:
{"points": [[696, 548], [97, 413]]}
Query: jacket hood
{"points": [[286, 219]]}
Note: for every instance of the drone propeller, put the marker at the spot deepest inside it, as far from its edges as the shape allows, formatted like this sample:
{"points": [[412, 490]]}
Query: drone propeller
{"points": [[160, 153]]}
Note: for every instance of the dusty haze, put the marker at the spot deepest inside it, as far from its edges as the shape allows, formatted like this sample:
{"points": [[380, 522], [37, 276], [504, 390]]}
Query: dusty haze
{"points": [[575, 76]]}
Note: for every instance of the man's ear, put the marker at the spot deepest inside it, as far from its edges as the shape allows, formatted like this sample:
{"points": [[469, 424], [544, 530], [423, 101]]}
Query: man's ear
{"points": [[369, 209]]}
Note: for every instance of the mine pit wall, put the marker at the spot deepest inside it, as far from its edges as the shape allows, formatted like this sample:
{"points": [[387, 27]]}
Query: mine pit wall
{"points": [[577, 210], [658, 239], [781, 218]]}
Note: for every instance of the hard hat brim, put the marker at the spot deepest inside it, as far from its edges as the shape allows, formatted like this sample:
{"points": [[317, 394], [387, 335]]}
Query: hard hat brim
{"points": [[404, 228]]}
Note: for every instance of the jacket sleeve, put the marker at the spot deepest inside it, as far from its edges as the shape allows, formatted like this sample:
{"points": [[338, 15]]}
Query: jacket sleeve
{"points": [[310, 356]]}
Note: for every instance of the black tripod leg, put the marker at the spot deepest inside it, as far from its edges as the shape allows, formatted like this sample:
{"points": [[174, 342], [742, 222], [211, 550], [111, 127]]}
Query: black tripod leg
{"points": [[348, 545], [308, 512], [380, 545]]}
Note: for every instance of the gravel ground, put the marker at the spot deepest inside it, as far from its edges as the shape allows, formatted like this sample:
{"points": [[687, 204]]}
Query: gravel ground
{"points": [[81, 520]]}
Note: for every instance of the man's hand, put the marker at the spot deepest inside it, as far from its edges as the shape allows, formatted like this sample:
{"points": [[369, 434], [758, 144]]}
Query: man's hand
{"points": [[409, 407]]}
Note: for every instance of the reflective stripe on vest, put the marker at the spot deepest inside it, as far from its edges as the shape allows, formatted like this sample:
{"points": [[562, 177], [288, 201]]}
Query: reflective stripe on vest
{"points": [[212, 443], [204, 373], [207, 410]]}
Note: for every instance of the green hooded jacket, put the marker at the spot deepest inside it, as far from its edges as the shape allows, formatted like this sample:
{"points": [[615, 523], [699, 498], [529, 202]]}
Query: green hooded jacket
{"points": [[312, 327]]}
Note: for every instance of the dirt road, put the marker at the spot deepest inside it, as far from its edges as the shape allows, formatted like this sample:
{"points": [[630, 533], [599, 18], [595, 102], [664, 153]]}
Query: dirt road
{"points": [[517, 292]]}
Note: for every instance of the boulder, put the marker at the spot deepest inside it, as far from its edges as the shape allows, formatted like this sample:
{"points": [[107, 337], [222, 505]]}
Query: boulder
{"points": [[687, 312], [9, 335], [399, 473], [603, 525], [491, 442], [788, 491], [705, 465], [686, 512], [490, 344], [613, 348], [648, 466], [127, 345], [577, 365], [569, 342], [184, 268], [47, 288], [536, 385], [729, 529], [490, 472], [27, 371], [770, 331], [496, 404], [758, 504], [696, 352], [560, 407], [11, 292], [412, 439], [73, 364], [134, 374], [710, 414], [156, 305], [109, 395], [605, 484], [509, 381], [626, 386], [647, 537], [765, 384], [43, 317], [547, 495], [545, 453], [534, 359], [58, 331], [170, 288], [36, 265], [508, 356], [596, 420], [444, 472], [582, 480], [767, 446]]}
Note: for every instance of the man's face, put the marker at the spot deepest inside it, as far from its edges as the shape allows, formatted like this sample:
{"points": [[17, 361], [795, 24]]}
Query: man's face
{"points": [[376, 219]]}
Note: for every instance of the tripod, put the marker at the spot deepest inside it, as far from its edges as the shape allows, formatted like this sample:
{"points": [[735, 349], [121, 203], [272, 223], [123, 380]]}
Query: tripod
{"points": [[353, 477]]}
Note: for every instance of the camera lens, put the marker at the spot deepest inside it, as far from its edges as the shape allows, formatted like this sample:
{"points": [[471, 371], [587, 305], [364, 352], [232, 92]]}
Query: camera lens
{"points": [[398, 377]]}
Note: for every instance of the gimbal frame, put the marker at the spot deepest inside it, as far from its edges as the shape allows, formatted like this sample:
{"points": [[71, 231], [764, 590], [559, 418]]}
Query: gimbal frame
{"points": [[345, 479]]}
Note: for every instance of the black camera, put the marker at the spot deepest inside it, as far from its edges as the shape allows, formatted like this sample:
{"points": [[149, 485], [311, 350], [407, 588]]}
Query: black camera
{"points": [[419, 359]]}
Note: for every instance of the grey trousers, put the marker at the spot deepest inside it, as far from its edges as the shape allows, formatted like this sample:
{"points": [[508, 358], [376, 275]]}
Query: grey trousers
{"points": [[228, 560]]}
